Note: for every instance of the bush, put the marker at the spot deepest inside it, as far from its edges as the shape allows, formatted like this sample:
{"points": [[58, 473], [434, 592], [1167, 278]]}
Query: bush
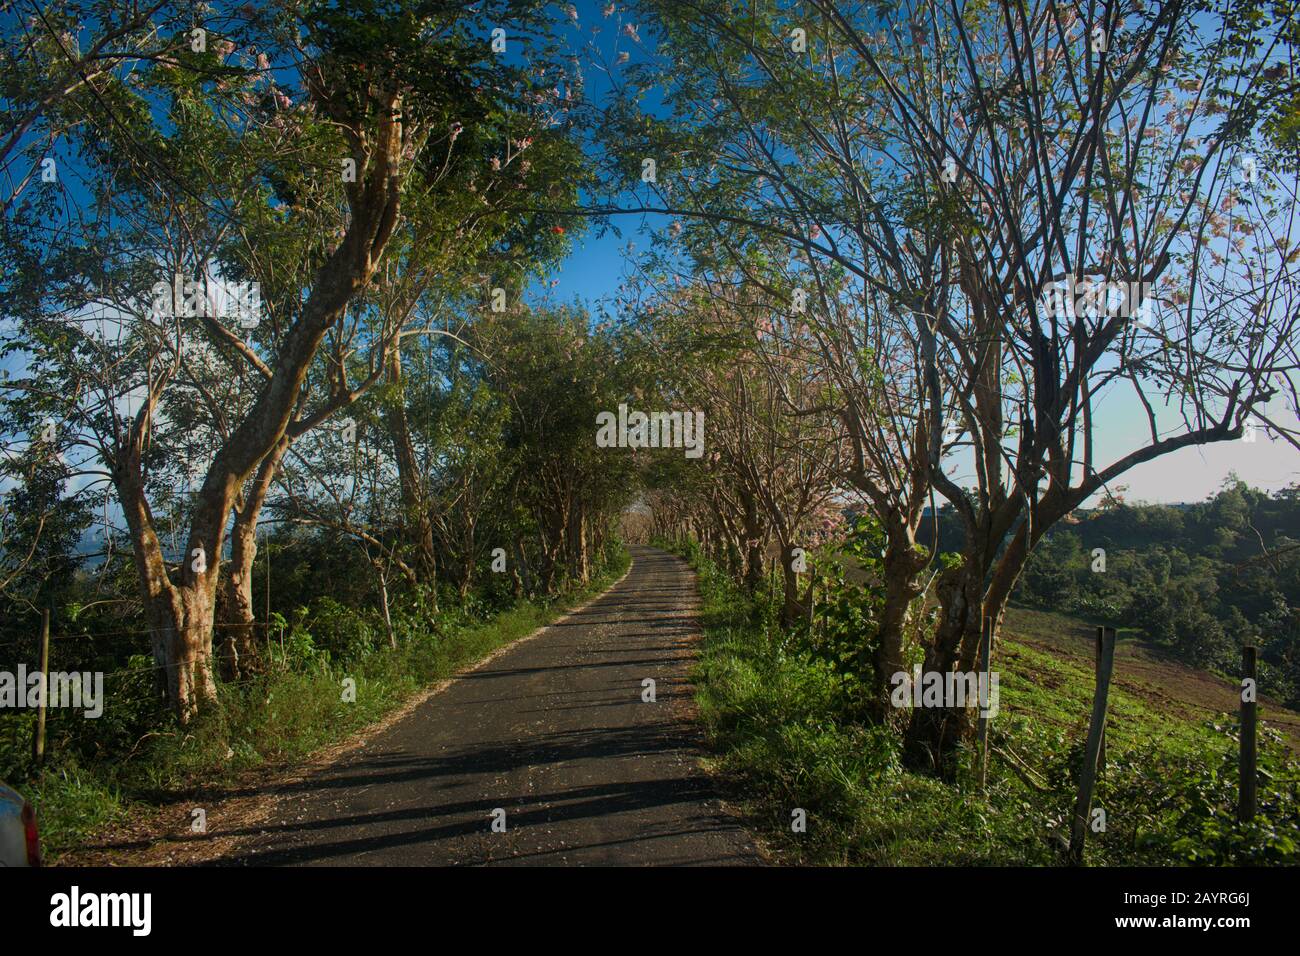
{"points": [[346, 634], [1181, 808]]}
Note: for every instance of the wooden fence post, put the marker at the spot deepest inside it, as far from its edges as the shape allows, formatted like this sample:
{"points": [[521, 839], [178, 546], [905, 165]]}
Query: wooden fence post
{"points": [[1088, 774], [1247, 777], [1101, 752], [986, 658], [38, 740]]}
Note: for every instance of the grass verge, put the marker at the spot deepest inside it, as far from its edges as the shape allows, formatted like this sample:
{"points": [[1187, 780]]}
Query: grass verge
{"points": [[774, 711]]}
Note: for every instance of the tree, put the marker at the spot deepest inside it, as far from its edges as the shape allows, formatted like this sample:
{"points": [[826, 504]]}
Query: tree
{"points": [[376, 82], [773, 449], [962, 160], [556, 373]]}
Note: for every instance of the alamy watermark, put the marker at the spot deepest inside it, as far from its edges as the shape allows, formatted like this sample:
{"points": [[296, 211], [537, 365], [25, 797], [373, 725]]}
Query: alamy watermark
{"points": [[1085, 297], [210, 298], [79, 690], [949, 689], [75, 908], [654, 430]]}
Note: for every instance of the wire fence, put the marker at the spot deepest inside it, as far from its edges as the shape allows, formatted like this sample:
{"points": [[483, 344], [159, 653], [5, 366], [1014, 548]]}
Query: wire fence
{"points": [[259, 627], [48, 666]]}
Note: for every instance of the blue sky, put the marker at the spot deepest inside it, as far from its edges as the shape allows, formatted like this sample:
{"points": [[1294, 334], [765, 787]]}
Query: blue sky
{"points": [[596, 266]]}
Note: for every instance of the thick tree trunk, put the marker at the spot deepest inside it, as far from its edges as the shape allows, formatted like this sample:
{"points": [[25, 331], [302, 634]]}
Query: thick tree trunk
{"points": [[180, 618], [577, 544], [933, 731], [182, 622], [238, 638], [903, 565], [978, 588]]}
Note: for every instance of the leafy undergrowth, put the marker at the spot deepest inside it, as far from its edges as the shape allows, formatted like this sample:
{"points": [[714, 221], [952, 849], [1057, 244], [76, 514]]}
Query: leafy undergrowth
{"points": [[283, 717], [781, 723]]}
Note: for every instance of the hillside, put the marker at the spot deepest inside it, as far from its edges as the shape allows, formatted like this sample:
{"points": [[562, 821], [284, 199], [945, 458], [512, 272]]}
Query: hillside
{"points": [[1144, 673]]}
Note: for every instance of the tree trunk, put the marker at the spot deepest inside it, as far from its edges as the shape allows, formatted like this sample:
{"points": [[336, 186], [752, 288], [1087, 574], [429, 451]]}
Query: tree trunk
{"points": [[903, 566], [521, 563], [577, 544], [793, 607], [180, 617], [383, 605], [753, 546], [933, 731], [415, 503], [554, 544], [465, 580], [238, 639]]}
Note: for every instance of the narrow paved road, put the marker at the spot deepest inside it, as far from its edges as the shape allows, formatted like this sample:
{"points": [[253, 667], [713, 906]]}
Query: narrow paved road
{"points": [[553, 731]]}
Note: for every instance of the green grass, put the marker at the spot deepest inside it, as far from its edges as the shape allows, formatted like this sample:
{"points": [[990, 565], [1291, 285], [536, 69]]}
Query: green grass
{"points": [[774, 713], [1043, 688], [1150, 682], [280, 719], [771, 715]]}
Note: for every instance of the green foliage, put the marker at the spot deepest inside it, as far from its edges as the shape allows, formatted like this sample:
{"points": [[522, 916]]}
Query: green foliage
{"points": [[1201, 581], [40, 524], [843, 633], [788, 736], [1178, 808]]}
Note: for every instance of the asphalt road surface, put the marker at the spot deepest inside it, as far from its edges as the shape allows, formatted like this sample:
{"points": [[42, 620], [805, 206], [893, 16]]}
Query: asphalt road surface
{"points": [[554, 732]]}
